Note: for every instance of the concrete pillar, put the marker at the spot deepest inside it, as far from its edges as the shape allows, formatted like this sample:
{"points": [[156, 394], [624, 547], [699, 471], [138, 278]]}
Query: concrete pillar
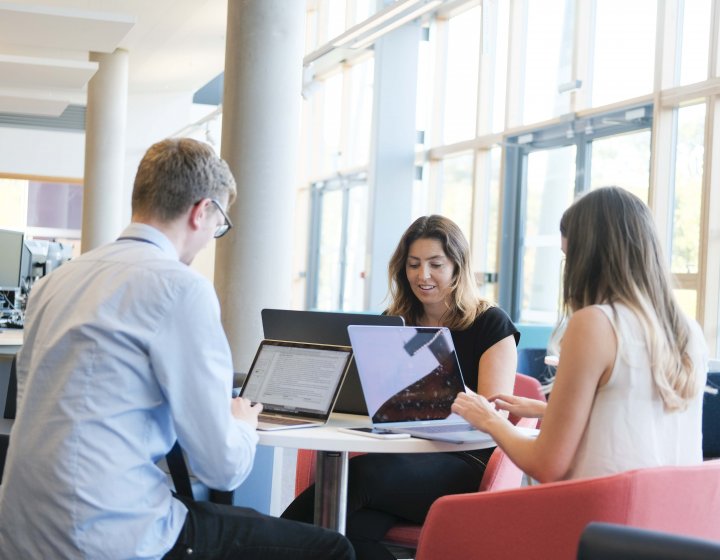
{"points": [[392, 154], [105, 122], [260, 135]]}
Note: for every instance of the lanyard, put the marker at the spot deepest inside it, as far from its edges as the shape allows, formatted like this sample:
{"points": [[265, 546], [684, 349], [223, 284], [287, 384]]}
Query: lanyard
{"points": [[128, 237]]}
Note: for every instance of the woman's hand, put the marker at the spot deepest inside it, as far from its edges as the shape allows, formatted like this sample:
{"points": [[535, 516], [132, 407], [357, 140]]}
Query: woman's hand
{"points": [[476, 410], [519, 406]]}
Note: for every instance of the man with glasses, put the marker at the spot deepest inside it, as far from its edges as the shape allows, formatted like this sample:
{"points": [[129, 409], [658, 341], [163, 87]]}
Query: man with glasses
{"points": [[123, 354]]}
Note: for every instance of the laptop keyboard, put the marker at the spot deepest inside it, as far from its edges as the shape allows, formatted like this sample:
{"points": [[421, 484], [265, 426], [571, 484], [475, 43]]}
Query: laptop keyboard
{"points": [[275, 421], [444, 429]]}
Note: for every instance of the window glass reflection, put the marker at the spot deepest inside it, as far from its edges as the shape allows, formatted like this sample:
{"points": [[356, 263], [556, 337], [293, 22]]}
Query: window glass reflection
{"points": [[457, 190], [688, 189], [695, 41], [624, 53], [550, 190], [548, 59], [622, 160], [461, 81]]}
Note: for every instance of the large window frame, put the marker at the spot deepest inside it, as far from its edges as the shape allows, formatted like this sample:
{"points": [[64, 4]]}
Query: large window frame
{"points": [[507, 62]]}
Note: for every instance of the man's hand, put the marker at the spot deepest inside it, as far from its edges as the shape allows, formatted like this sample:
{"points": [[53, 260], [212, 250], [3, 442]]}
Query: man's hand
{"points": [[243, 409]]}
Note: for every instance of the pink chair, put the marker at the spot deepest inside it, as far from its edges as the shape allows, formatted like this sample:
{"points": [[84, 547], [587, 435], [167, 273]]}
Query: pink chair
{"points": [[546, 521], [500, 473]]}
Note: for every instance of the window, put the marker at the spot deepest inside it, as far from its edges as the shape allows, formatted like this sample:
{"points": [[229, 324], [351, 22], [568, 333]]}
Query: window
{"points": [[461, 79], [687, 203], [624, 161], [695, 39], [457, 185], [548, 59], [624, 51]]}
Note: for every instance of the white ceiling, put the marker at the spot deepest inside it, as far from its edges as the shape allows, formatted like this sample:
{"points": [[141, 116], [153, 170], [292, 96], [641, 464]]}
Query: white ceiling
{"points": [[173, 46]]}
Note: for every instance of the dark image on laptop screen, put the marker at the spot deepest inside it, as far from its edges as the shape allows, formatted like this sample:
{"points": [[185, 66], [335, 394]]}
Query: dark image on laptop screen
{"points": [[323, 327], [407, 374]]}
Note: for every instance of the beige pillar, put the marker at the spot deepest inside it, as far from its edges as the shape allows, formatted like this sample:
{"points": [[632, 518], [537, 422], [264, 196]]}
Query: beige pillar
{"points": [[261, 129], [105, 123]]}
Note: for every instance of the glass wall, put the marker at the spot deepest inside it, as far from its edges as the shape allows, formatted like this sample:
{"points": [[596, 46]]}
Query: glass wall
{"points": [[522, 105]]}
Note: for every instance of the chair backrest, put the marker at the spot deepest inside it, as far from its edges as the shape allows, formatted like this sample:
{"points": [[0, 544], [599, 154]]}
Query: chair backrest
{"points": [[501, 473], [526, 386], [546, 520], [600, 541], [11, 398], [531, 362], [711, 418]]}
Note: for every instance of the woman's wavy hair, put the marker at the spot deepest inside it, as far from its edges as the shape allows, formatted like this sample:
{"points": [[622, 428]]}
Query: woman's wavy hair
{"points": [[466, 303], [614, 256]]}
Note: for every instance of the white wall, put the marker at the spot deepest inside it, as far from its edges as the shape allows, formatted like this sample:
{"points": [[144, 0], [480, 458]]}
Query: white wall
{"points": [[151, 117], [26, 151]]}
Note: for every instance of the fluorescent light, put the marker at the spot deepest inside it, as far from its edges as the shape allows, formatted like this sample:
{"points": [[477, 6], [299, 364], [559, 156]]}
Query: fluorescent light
{"points": [[370, 39]]}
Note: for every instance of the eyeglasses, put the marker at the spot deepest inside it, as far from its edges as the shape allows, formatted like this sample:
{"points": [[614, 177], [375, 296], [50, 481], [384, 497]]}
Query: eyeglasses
{"points": [[223, 229]]}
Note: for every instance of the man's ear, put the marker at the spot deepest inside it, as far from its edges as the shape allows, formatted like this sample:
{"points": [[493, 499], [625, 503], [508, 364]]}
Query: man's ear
{"points": [[197, 213]]}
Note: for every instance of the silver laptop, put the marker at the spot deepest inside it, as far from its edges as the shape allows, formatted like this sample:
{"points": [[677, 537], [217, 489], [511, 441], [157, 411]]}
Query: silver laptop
{"points": [[410, 377], [296, 382]]}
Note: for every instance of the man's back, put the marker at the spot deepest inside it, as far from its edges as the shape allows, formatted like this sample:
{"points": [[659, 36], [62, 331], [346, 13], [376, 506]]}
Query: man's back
{"points": [[100, 374]]}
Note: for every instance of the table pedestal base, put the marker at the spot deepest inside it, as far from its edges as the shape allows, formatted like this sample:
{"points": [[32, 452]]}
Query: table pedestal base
{"points": [[331, 489]]}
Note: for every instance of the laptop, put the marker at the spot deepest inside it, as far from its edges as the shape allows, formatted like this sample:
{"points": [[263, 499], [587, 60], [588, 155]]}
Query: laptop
{"points": [[296, 382], [324, 327], [410, 377]]}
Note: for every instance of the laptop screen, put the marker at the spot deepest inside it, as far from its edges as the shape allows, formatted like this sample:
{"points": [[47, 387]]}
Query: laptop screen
{"points": [[293, 377], [325, 327], [407, 373]]}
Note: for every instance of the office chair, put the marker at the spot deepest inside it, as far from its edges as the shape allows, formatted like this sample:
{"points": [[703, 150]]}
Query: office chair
{"points": [[11, 397], [711, 418], [601, 541], [546, 520]]}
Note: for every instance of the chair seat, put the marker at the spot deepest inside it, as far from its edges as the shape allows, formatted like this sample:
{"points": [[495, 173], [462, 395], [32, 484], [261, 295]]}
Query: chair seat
{"points": [[403, 534]]}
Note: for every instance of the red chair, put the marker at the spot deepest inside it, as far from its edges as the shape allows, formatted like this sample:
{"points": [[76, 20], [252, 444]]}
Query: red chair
{"points": [[500, 473], [546, 520]]}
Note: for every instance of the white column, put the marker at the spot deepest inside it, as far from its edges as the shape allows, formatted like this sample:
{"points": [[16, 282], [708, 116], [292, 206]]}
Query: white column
{"points": [[392, 154], [105, 122], [261, 131]]}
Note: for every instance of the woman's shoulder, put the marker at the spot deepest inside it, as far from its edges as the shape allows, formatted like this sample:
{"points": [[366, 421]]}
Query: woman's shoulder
{"points": [[493, 322], [492, 314]]}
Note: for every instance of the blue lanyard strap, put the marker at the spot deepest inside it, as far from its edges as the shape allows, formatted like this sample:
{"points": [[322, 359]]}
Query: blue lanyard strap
{"points": [[142, 240]]}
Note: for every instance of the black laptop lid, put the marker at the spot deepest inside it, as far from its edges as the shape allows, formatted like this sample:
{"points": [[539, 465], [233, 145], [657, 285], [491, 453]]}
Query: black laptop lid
{"points": [[323, 327]]}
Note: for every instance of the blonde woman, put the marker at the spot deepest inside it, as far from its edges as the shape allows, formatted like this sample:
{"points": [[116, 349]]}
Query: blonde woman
{"points": [[628, 388], [431, 284]]}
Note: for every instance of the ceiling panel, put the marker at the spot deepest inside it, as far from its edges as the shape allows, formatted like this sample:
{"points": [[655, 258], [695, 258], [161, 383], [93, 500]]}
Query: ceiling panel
{"points": [[45, 73], [62, 28]]}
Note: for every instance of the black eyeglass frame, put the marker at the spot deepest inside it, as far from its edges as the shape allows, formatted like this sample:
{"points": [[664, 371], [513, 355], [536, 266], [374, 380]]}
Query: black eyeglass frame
{"points": [[227, 226]]}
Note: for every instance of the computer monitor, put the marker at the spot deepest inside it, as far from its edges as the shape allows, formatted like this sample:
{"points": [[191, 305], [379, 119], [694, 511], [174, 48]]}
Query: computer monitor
{"points": [[11, 252], [41, 257]]}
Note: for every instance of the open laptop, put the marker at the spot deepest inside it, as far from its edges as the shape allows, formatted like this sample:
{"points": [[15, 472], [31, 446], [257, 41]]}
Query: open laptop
{"points": [[324, 327], [296, 382], [410, 377]]}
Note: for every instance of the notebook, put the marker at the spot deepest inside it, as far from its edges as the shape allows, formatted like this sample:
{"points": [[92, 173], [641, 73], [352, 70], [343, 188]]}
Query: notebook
{"points": [[325, 327], [296, 382], [410, 377]]}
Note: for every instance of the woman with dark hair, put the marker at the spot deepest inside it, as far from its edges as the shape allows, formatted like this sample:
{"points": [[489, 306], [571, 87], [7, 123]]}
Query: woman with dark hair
{"points": [[431, 284], [628, 389]]}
